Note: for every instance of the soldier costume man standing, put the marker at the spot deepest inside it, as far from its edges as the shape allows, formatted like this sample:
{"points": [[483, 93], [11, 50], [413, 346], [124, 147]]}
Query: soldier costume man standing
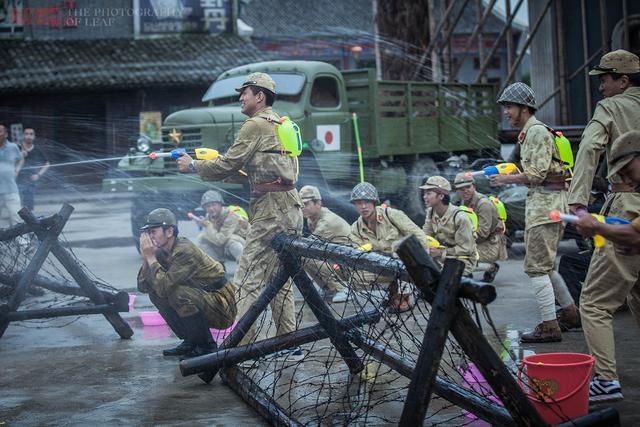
{"points": [[612, 276], [448, 224], [222, 237], [625, 162], [274, 206], [545, 175], [491, 242], [330, 227], [382, 228], [185, 284]]}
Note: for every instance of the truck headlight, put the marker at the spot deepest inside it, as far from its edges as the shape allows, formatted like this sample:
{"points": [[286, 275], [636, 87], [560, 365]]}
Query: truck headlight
{"points": [[143, 144]]}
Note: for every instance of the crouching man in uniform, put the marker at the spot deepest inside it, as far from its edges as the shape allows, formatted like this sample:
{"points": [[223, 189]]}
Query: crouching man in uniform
{"points": [[185, 284], [224, 231], [330, 227]]}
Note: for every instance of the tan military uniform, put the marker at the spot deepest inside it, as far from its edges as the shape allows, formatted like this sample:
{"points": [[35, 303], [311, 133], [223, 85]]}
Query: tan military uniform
{"points": [[454, 231], [189, 281], [334, 229], [274, 208], [392, 226], [491, 242], [223, 236], [612, 277], [540, 163]]}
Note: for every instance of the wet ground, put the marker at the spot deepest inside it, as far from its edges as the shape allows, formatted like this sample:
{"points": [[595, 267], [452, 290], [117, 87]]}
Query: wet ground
{"points": [[76, 371]]}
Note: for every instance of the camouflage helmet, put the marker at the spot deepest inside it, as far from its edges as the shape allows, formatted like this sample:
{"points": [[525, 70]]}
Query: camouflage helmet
{"points": [[364, 191], [518, 93], [160, 217], [211, 196]]}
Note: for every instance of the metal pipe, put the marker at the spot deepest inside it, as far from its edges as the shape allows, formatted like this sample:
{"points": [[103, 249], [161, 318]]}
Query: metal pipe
{"points": [[562, 65], [527, 42], [510, 51], [496, 43], [46, 313], [585, 55], [604, 26], [625, 19]]}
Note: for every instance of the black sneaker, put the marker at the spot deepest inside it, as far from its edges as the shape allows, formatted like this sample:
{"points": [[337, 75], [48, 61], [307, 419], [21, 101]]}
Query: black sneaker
{"points": [[601, 390], [293, 354]]}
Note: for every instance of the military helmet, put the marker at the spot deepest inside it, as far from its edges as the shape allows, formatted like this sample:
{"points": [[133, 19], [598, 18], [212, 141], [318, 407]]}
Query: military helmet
{"points": [[623, 150], [518, 93], [364, 191], [437, 183], [211, 196], [160, 217], [262, 80], [619, 62]]}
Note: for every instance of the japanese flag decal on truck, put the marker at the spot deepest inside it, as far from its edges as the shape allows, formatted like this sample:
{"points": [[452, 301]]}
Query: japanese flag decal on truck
{"points": [[329, 136]]}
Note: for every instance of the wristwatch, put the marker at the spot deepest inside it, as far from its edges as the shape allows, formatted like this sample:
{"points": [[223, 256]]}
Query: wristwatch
{"points": [[191, 167]]}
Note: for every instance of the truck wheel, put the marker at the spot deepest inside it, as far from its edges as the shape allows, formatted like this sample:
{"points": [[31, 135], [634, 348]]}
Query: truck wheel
{"points": [[413, 204]]}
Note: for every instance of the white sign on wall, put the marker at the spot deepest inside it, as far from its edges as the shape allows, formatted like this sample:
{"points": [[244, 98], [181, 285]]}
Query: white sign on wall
{"points": [[329, 135]]}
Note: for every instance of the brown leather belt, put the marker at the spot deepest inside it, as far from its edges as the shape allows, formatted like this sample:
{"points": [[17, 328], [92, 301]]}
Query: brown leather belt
{"points": [[621, 187], [553, 183]]}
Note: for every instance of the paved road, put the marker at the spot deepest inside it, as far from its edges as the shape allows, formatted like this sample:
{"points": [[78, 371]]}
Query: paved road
{"points": [[82, 372]]}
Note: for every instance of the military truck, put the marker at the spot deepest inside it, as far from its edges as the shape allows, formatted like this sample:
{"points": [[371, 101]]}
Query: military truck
{"points": [[407, 129]]}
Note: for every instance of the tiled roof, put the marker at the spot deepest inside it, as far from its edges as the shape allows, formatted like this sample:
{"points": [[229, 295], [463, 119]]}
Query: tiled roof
{"points": [[56, 65], [291, 18]]}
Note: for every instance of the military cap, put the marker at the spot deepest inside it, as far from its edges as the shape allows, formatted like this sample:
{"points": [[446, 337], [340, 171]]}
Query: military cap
{"points": [[463, 179], [309, 192], [619, 62], [364, 191], [159, 218], [437, 183], [262, 80], [623, 150]]}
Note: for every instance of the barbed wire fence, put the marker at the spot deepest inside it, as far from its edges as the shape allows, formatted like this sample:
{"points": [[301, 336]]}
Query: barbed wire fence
{"points": [[429, 365], [35, 262]]}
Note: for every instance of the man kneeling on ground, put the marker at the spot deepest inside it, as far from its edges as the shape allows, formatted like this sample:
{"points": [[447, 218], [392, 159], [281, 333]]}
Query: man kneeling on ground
{"points": [[185, 284]]}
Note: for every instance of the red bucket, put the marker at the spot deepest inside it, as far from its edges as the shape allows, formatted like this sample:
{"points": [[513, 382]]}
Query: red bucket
{"points": [[558, 384]]}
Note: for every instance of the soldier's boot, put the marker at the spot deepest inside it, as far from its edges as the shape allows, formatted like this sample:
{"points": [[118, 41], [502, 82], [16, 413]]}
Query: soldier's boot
{"points": [[198, 335], [547, 331], [569, 318], [490, 275], [398, 303], [175, 323]]}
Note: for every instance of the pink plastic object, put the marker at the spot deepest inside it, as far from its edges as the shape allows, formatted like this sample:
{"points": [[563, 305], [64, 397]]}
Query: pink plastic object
{"points": [[477, 383], [220, 334], [132, 299], [152, 318]]}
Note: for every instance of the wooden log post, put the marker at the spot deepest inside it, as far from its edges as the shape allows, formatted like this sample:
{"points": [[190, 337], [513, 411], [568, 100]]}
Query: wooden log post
{"points": [[232, 356], [22, 228], [242, 327], [119, 299], [47, 241], [257, 398], [478, 405], [474, 344], [379, 264], [443, 310], [77, 272], [319, 308]]}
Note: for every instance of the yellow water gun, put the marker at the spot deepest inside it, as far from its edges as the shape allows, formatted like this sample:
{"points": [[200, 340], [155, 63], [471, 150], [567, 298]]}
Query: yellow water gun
{"points": [[499, 169], [198, 153], [598, 240], [433, 243], [367, 247]]}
